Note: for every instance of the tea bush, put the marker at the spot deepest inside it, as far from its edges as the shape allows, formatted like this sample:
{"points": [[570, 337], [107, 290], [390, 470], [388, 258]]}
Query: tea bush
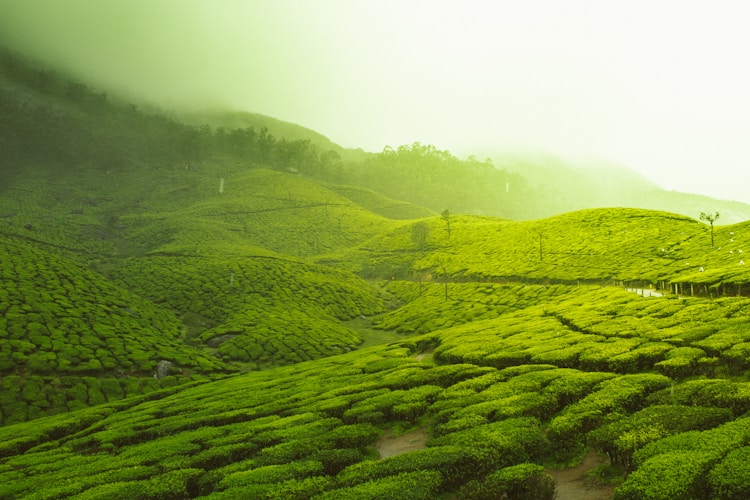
{"points": [[730, 478], [621, 438], [528, 481]]}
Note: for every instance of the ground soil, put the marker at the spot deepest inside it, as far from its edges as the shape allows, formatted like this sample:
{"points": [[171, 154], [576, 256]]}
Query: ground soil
{"points": [[573, 484], [389, 445]]}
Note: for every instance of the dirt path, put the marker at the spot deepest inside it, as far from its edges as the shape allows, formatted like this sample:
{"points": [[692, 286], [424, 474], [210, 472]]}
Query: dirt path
{"points": [[572, 484], [389, 445]]}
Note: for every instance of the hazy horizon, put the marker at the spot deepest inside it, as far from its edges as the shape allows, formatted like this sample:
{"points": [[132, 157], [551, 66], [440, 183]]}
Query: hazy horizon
{"points": [[657, 86]]}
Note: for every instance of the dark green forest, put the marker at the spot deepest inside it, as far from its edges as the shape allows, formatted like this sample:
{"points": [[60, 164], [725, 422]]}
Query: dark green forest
{"points": [[221, 310]]}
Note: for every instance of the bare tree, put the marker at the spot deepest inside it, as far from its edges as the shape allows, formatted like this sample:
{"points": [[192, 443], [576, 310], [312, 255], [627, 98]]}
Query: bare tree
{"points": [[710, 218]]}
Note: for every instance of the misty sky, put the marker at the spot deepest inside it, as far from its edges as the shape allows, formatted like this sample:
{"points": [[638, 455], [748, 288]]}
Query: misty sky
{"points": [[660, 86]]}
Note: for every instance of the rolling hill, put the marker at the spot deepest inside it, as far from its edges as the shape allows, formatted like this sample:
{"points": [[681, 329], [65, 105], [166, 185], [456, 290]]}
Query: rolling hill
{"points": [[189, 318], [567, 186]]}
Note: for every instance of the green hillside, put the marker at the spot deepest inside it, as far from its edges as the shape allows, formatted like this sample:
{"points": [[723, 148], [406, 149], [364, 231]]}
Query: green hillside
{"points": [[605, 246], [194, 313], [522, 385]]}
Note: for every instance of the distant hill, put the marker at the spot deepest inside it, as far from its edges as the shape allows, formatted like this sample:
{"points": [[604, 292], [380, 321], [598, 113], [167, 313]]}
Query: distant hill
{"points": [[243, 119], [563, 186]]}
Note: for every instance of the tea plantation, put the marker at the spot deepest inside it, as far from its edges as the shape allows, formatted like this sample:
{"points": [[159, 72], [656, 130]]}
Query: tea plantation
{"points": [[199, 332]]}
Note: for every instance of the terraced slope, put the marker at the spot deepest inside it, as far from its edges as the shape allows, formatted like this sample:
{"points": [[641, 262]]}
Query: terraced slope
{"points": [[198, 209], [88, 257], [500, 397], [61, 318], [280, 212], [138, 287], [257, 309], [601, 246], [71, 338], [379, 204]]}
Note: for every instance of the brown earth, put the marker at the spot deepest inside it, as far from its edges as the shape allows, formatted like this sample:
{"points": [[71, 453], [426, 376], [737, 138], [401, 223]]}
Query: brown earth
{"points": [[573, 484], [389, 445]]}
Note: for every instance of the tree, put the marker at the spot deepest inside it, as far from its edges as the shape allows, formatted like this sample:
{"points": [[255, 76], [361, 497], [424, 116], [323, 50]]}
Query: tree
{"points": [[442, 264], [446, 215], [710, 218], [266, 144], [420, 234], [541, 237]]}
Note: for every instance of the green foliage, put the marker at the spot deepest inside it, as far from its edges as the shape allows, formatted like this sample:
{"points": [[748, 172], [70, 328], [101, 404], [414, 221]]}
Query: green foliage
{"points": [[618, 395], [676, 474], [500, 444], [272, 474], [720, 393], [455, 465], [621, 438], [528, 481], [147, 240], [419, 485], [676, 466], [730, 478]]}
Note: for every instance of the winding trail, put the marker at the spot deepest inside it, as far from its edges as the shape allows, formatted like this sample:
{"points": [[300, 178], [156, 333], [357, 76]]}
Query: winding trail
{"points": [[389, 445], [573, 484]]}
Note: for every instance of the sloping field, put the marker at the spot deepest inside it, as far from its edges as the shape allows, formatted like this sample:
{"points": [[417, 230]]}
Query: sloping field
{"points": [[534, 385]]}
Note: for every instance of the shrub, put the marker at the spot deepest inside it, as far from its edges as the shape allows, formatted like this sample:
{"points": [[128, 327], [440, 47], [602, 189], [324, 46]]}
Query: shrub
{"points": [[730, 478], [620, 439], [502, 443], [622, 394], [273, 473], [353, 436], [527, 481], [336, 459], [707, 392], [418, 485], [283, 453], [717, 441], [678, 474], [455, 464]]}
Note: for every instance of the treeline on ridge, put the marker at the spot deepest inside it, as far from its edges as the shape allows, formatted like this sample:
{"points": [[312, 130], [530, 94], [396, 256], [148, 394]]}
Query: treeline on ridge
{"points": [[52, 120]]}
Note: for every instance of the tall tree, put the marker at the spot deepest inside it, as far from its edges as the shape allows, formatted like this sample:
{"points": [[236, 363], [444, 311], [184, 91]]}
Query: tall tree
{"points": [[446, 215], [710, 218], [420, 234]]}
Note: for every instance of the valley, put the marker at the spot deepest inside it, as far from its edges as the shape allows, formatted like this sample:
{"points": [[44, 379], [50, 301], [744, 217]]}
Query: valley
{"points": [[185, 319]]}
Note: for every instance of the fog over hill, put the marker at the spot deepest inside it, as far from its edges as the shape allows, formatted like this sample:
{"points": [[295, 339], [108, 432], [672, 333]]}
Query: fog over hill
{"points": [[479, 77], [521, 186]]}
